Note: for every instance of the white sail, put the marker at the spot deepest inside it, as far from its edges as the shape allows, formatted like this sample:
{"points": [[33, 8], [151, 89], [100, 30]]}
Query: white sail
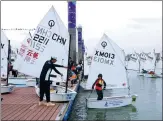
{"points": [[133, 63], [86, 64], [19, 62], [159, 65], [142, 59], [4, 54], [121, 52], [150, 61], [107, 60], [51, 38]]}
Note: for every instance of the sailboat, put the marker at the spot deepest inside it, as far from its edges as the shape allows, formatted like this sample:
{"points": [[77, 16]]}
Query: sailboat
{"points": [[87, 63], [142, 59], [19, 62], [150, 65], [133, 62], [108, 59], [5, 53], [51, 38], [159, 69]]}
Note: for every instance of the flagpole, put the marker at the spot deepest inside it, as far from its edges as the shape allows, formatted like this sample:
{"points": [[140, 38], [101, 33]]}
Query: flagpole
{"points": [[8, 56], [68, 64]]}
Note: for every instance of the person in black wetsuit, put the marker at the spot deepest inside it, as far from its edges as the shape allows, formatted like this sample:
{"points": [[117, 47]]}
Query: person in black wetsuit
{"points": [[45, 79]]}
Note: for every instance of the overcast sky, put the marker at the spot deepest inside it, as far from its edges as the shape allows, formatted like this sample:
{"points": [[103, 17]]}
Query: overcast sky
{"points": [[131, 24]]}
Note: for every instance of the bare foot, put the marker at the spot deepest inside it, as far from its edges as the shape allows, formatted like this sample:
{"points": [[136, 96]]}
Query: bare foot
{"points": [[50, 104]]}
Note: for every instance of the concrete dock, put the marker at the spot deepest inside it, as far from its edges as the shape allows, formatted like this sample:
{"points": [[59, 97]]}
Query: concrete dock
{"points": [[22, 104]]}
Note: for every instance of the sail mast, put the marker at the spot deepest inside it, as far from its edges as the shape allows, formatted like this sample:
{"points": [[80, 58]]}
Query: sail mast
{"points": [[126, 75], [155, 60], [68, 64], [8, 58]]}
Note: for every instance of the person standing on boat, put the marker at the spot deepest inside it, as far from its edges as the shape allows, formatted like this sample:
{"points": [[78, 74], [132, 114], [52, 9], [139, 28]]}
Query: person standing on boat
{"points": [[98, 86], [45, 79]]}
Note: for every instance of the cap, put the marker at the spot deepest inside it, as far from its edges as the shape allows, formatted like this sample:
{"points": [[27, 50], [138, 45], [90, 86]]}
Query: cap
{"points": [[53, 58]]}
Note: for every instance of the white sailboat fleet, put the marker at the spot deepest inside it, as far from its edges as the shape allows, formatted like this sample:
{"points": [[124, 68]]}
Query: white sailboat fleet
{"points": [[146, 61], [5, 52], [51, 38], [108, 59]]}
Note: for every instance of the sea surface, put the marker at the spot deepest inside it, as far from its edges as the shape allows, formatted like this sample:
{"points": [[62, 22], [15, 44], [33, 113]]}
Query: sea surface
{"points": [[148, 105]]}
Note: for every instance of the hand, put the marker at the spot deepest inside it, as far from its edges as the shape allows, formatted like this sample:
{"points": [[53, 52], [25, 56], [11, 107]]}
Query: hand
{"points": [[104, 88]]}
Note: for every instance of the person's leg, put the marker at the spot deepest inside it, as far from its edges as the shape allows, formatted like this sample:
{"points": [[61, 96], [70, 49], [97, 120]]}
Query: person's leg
{"points": [[98, 95], [14, 73], [42, 91], [72, 82], [47, 91], [101, 95]]}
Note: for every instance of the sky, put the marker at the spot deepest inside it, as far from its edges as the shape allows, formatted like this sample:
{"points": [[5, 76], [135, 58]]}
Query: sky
{"points": [[131, 24]]}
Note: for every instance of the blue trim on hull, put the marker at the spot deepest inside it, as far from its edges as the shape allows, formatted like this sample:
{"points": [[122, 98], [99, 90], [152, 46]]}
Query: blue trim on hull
{"points": [[66, 116]]}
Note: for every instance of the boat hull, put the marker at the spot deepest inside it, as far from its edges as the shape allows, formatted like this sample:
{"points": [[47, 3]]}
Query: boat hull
{"points": [[7, 89], [59, 95], [152, 76], [110, 102], [140, 74], [31, 82]]}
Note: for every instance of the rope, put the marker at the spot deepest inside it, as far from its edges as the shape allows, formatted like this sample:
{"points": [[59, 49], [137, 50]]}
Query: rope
{"points": [[90, 93]]}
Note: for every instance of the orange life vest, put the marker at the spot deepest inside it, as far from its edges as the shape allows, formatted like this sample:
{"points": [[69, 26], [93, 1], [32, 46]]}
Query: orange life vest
{"points": [[98, 84], [73, 77]]}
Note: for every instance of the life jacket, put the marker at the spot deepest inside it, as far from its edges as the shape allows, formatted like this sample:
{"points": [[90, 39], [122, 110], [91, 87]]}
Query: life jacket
{"points": [[151, 72], [98, 84], [73, 68], [73, 77]]}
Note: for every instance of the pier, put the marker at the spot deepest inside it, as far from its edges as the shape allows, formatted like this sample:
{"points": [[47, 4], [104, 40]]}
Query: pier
{"points": [[22, 104]]}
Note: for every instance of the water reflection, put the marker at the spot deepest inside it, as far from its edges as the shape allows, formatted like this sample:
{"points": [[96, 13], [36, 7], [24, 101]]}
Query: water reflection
{"points": [[123, 113]]}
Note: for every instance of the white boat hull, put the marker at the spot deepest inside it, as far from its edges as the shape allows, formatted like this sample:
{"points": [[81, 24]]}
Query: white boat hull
{"points": [[152, 76], [59, 95], [110, 102], [7, 89], [31, 82], [83, 84], [140, 74]]}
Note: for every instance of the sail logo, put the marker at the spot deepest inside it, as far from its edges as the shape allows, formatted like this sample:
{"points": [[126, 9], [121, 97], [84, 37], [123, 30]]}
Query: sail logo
{"points": [[104, 44], [133, 58], [142, 57], [148, 56], [51, 23]]}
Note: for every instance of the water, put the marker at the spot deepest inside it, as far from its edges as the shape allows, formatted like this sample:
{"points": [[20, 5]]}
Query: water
{"points": [[148, 105]]}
